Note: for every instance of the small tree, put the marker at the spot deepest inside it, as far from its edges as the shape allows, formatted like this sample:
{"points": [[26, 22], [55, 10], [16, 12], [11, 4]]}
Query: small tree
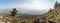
{"points": [[13, 12], [56, 4]]}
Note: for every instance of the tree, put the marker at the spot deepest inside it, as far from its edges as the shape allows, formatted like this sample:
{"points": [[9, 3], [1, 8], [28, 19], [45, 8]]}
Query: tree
{"points": [[56, 4], [13, 12]]}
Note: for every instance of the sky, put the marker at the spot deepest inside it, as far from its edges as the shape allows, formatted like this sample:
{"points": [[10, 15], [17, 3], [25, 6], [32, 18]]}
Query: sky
{"points": [[27, 4]]}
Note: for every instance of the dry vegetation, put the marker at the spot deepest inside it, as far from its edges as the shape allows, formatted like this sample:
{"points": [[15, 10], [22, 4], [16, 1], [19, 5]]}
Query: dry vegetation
{"points": [[53, 14]]}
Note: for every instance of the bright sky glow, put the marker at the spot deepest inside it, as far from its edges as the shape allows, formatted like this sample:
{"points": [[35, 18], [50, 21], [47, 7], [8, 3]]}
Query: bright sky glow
{"points": [[28, 4]]}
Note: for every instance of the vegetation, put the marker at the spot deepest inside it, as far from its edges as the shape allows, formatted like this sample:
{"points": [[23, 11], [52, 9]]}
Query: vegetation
{"points": [[13, 12], [53, 14]]}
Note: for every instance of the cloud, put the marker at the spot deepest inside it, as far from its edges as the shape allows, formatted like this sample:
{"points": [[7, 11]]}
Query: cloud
{"points": [[34, 5], [37, 5], [31, 4]]}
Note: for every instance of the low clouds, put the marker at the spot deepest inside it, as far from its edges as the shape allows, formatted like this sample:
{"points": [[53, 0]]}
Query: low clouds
{"points": [[29, 5], [35, 4]]}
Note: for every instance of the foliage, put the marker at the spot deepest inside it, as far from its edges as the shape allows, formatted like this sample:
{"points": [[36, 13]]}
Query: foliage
{"points": [[56, 4], [52, 14], [13, 12]]}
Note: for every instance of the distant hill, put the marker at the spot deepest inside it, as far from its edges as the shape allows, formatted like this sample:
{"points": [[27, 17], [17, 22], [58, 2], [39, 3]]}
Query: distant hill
{"points": [[25, 11], [27, 15]]}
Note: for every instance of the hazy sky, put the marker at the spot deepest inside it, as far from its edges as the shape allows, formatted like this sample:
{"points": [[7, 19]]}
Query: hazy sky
{"points": [[28, 4]]}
